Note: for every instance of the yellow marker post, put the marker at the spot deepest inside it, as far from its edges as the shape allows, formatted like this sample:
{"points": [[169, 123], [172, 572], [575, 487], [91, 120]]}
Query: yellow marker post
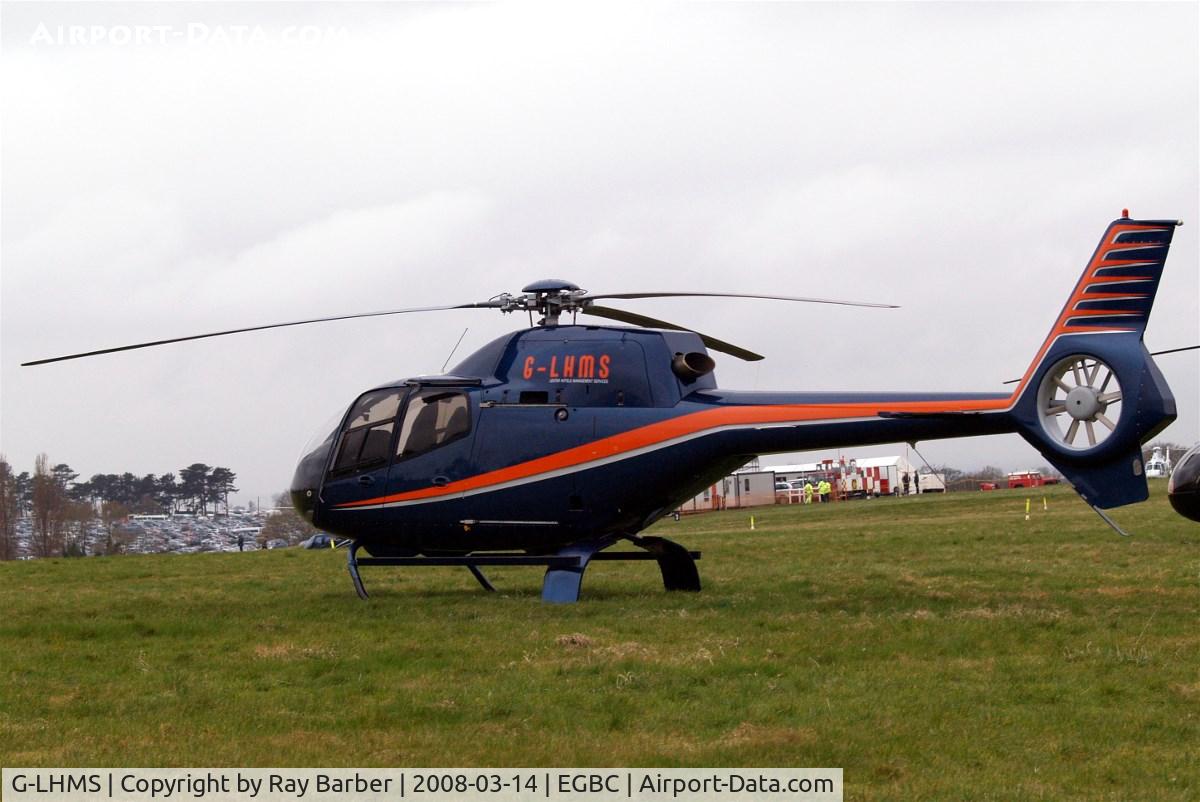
{"points": [[1045, 506], [751, 523], [1026, 509]]}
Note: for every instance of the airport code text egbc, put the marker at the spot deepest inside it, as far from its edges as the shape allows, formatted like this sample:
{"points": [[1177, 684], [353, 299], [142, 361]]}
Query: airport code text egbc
{"points": [[198, 786]]}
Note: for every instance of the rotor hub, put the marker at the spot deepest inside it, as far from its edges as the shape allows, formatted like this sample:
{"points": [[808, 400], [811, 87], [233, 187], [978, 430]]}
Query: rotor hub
{"points": [[549, 285], [548, 297], [1083, 403]]}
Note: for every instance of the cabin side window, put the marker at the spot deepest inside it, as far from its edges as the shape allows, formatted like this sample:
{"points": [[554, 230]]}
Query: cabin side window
{"points": [[433, 419], [367, 435]]}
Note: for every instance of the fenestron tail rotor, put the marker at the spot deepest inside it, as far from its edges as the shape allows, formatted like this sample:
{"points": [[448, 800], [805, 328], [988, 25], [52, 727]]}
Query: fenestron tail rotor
{"points": [[550, 298], [1079, 402]]}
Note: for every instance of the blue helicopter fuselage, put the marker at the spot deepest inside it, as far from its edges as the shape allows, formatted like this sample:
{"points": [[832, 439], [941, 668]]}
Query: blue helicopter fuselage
{"points": [[559, 434], [566, 433]]}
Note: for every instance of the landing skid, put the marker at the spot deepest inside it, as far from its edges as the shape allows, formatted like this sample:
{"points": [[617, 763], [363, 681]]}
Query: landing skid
{"points": [[564, 569]]}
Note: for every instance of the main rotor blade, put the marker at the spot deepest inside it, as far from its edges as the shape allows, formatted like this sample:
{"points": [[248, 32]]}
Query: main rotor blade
{"points": [[483, 305], [654, 323], [633, 295]]}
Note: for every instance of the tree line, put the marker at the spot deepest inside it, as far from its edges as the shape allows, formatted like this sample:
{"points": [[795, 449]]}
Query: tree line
{"points": [[61, 508]]}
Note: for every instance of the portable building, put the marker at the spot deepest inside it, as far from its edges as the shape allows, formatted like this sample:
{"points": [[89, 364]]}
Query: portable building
{"points": [[869, 476], [753, 488]]}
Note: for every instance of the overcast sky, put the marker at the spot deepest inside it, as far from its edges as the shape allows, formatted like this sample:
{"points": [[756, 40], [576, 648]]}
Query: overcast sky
{"points": [[248, 164]]}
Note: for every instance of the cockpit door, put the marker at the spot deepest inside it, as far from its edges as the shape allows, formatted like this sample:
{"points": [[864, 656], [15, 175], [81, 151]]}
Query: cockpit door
{"points": [[434, 442], [358, 469]]}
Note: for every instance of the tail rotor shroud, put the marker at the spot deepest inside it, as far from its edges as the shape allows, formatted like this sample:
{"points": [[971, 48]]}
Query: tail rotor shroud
{"points": [[1079, 402]]}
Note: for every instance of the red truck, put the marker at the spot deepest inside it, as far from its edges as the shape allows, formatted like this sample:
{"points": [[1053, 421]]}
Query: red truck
{"points": [[1029, 479]]}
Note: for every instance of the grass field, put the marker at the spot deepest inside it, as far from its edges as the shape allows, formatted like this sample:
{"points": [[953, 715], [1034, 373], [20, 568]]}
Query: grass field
{"points": [[934, 647]]}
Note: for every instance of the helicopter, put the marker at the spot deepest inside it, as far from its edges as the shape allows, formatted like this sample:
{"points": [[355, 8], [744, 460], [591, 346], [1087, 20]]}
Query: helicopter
{"points": [[1183, 487], [553, 443]]}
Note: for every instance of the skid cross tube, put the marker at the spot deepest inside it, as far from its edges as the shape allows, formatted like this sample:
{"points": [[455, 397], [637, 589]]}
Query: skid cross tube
{"points": [[564, 569]]}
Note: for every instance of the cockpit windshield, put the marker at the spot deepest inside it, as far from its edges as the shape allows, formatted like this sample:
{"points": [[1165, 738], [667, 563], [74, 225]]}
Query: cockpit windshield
{"points": [[325, 433], [314, 458]]}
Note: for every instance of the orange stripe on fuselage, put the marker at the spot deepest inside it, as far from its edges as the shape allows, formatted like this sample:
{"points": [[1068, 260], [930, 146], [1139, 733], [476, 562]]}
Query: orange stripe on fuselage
{"points": [[681, 426]]}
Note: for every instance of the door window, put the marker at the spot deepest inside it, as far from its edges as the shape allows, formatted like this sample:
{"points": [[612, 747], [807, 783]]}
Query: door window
{"points": [[432, 419]]}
